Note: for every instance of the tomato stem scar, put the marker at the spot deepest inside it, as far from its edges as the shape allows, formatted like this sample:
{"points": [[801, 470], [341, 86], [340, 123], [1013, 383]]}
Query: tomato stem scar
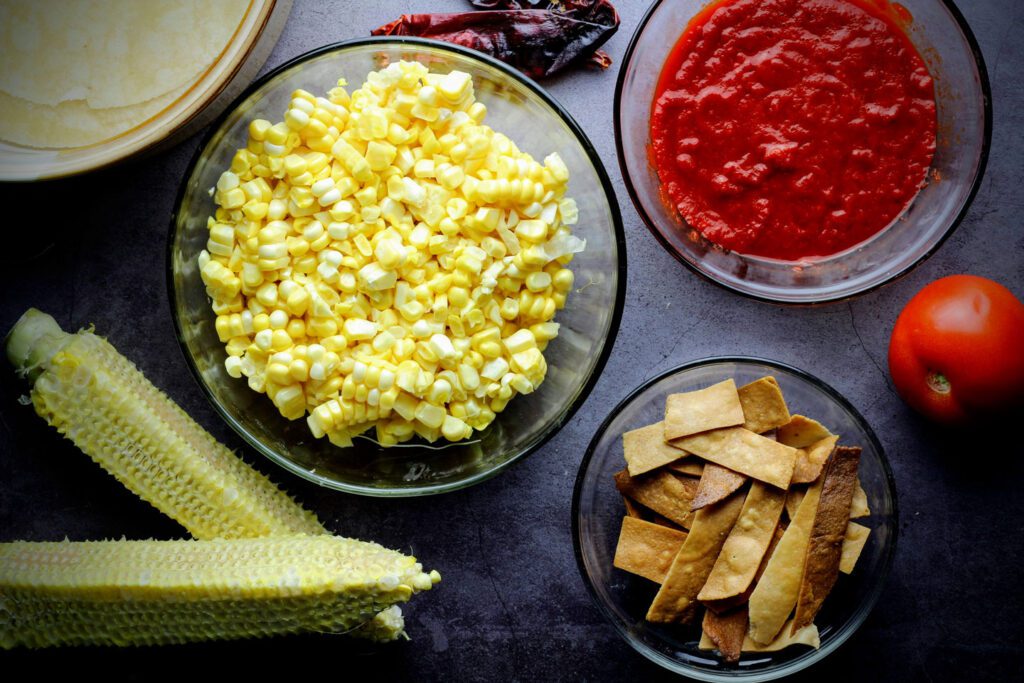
{"points": [[937, 382]]}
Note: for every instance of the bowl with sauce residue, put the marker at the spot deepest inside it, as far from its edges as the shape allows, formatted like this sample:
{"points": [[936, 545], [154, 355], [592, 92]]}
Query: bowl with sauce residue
{"points": [[802, 154]]}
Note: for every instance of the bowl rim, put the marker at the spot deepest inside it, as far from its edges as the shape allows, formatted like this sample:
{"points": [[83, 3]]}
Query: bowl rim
{"points": [[986, 91], [859, 616], [617, 228]]}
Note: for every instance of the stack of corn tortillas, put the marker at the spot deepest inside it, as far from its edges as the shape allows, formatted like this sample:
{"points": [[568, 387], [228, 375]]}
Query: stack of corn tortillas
{"points": [[79, 72]]}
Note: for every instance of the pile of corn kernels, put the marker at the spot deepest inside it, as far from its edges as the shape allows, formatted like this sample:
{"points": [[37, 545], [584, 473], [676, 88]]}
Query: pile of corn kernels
{"points": [[384, 259]]}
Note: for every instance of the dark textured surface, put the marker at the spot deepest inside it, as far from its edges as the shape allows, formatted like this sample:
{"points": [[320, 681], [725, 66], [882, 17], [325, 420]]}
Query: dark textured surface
{"points": [[512, 605]]}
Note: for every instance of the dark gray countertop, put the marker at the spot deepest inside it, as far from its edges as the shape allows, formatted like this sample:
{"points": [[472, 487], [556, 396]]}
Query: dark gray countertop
{"points": [[512, 604]]}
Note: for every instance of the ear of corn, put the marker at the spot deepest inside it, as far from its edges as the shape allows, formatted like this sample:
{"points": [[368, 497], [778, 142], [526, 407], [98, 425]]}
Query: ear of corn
{"points": [[97, 398], [159, 592]]}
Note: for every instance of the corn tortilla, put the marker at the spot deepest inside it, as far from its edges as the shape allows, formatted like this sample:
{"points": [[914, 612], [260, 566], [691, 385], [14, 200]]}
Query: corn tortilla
{"points": [[778, 588], [853, 544], [801, 432], [859, 506], [746, 545], [811, 459], [808, 635], [743, 451], [688, 466], [727, 631], [676, 600], [663, 492], [647, 549], [764, 408], [716, 482], [824, 548], [110, 53], [703, 410], [645, 449]]}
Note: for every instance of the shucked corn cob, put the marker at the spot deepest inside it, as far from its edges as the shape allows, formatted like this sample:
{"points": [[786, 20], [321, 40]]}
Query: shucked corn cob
{"points": [[238, 501], [97, 398], [158, 592]]}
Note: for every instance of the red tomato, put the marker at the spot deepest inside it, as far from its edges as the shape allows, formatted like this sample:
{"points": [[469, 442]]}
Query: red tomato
{"points": [[957, 351]]}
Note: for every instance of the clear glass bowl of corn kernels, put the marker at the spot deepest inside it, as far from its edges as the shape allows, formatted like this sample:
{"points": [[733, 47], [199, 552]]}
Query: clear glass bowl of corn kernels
{"points": [[516, 107]]}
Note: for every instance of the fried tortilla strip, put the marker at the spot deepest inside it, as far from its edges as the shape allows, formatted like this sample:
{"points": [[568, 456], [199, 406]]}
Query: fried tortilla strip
{"points": [[821, 564], [676, 601], [647, 549], [801, 432], [645, 449], [778, 588], [701, 411], [808, 635], [727, 631], [853, 544], [632, 509], [690, 466], [716, 482], [746, 545], [743, 451], [859, 506], [764, 408], [663, 492], [810, 460], [742, 598], [793, 498]]}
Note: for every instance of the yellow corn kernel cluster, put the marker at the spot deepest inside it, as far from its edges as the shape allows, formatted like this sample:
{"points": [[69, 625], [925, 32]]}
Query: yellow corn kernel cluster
{"points": [[159, 592], [383, 258]]}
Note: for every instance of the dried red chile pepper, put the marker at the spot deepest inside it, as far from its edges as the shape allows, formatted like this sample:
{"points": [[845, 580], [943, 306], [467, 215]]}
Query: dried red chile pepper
{"points": [[538, 37]]}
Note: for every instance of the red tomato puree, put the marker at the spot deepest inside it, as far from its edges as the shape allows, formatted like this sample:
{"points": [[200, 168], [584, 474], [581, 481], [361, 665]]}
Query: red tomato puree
{"points": [[793, 128]]}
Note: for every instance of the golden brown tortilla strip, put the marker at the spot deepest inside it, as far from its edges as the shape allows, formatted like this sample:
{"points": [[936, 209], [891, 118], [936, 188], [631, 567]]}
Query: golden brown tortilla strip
{"points": [[690, 466], [716, 483], [703, 410], [764, 408], [727, 631], [859, 505], [743, 451], [821, 564], [662, 492], [777, 590], [858, 508], [647, 549], [645, 449], [793, 498], [808, 635], [810, 460], [853, 543], [676, 600], [742, 598], [746, 545], [632, 509], [801, 432]]}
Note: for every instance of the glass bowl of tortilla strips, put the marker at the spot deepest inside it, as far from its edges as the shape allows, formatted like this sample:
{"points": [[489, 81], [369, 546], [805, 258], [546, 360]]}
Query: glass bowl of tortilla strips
{"points": [[735, 518]]}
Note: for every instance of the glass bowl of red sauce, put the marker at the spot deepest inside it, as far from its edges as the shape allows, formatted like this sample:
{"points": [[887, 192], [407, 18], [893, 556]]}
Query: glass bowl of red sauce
{"points": [[799, 151]]}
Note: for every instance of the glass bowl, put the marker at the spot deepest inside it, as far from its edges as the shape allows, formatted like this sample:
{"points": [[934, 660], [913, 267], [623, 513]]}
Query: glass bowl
{"points": [[517, 107], [623, 598], [951, 52]]}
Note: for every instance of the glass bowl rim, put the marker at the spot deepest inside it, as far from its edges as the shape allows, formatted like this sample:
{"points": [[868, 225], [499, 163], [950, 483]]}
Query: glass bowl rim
{"points": [[860, 613], [617, 227], [986, 93]]}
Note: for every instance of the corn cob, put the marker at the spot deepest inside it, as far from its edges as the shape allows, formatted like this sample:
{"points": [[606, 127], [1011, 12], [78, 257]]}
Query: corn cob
{"points": [[97, 398], [161, 592]]}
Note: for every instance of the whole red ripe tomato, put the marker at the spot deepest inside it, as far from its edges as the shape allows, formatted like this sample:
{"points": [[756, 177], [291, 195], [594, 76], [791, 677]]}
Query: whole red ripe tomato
{"points": [[957, 351]]}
